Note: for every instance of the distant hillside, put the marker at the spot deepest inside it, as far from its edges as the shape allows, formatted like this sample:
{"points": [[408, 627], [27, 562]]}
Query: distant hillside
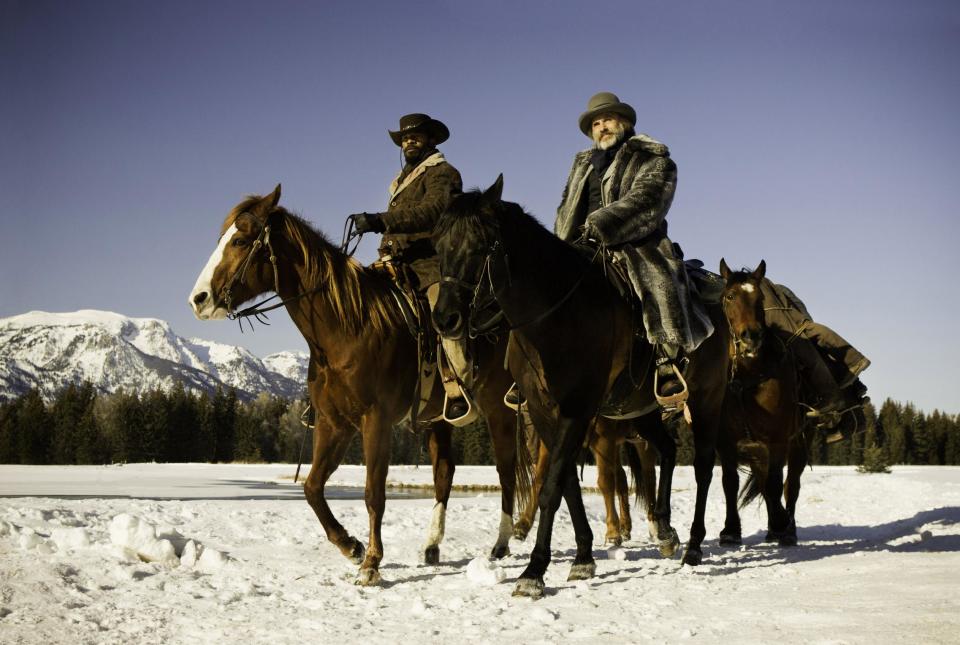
{"points": [[47, 351]]}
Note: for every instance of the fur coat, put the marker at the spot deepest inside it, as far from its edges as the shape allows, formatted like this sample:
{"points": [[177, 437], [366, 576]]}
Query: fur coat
{"points": [[637, 189]]}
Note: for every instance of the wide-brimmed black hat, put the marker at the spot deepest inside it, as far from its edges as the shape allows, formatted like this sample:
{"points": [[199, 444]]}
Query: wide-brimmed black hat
{"points": [[603, 103], [420, 123]]}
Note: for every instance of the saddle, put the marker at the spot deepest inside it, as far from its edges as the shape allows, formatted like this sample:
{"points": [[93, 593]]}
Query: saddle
{"points": [[415, 308]]}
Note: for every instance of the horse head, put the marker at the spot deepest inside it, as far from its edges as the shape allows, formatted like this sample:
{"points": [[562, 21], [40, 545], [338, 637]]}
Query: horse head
{"points": [[464, 238], [742, 301], [239, 269]]}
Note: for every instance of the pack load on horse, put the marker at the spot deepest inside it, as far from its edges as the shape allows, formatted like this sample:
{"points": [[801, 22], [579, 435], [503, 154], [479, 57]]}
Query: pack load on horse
{"points": [[364, 372], [571, 340]]}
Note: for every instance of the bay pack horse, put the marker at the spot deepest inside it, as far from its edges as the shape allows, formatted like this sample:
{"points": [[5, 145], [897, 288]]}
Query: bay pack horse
{"points": [[572, 336], [763, 424], [604, 440], [363, 369]]}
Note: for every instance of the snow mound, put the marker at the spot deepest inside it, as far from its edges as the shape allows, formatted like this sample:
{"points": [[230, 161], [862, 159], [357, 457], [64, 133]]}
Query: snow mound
{"points": [[140, 537], [482, 572]]}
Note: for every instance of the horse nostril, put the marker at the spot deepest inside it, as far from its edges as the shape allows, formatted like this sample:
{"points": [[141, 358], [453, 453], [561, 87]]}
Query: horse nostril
{"points": [[199, 298], [448, 322]]}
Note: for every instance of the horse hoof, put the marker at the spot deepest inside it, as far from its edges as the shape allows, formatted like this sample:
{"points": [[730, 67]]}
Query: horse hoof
{"points": [[615, 540], [358, 554], [583, 571], [668, 546], [729, 538], [521, 531], [693, 557], [368, 578], [529, 588], [500, 552], [431, 555], [625, 536], [772, 536], [788, 540]]}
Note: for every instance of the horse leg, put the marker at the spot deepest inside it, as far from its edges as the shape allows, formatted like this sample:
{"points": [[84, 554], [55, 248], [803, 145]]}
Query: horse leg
{"points": [[648, 485], [704, 456], [605, 451], [731, 535], [623, 496], [440, 444], [569, 434], [523, 525], [329, 446], [777, 519], [583, 567], [796, 463], [376, 451], [503, 435], [654, 431]]}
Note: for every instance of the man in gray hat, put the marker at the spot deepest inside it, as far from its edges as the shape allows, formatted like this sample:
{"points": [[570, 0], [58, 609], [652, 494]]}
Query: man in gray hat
{"points": [[418, 196], [618, 194]]}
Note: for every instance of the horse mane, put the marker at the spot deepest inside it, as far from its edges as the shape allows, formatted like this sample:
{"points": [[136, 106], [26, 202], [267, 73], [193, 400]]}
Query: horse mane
{"points": [[357, 296]]}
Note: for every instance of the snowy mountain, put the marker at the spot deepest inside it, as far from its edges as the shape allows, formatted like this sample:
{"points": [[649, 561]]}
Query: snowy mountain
{"points": [[50, 350]]}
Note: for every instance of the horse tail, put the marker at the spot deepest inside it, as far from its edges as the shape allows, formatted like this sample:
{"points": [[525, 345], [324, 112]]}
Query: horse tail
{"points": [[528, 442], [757, 456], [636, 473]]}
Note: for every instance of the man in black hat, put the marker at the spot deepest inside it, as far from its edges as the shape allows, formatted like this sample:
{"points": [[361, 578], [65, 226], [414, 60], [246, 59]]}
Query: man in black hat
{"points": [[418, 196], [618, 194]]}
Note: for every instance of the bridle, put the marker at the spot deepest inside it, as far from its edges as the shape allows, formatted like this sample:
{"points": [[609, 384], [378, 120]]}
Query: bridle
{"points": [[480, 301], [257, 311]]}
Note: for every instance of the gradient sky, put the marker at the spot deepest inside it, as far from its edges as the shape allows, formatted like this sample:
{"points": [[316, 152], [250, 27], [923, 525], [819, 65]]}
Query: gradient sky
{"points": [[821, 136]]}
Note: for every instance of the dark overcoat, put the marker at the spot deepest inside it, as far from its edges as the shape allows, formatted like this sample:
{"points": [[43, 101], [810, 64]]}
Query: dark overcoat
{"points": [[637, 190], [417, 199]]}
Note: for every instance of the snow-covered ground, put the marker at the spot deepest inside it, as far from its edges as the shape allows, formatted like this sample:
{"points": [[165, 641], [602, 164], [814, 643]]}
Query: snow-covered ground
{"points": [[211, 553]]}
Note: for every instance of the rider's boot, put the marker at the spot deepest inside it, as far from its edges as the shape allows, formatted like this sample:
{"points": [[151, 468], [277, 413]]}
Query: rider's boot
{"points": [[669, 386], [457, 408]]}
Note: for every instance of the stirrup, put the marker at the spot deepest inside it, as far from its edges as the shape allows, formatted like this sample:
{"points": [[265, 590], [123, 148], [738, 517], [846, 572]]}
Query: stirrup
{"points": [[518, 395], [673, 402], [466, 419]]}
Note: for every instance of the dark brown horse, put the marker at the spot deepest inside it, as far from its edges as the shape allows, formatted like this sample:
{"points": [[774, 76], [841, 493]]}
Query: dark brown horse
{"points": [[363, 368], [605, 439], [573, 338], [763, 425]]}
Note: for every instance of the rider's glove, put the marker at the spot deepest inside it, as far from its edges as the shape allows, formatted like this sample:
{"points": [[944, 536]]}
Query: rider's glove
{"points": [[368, 222]]}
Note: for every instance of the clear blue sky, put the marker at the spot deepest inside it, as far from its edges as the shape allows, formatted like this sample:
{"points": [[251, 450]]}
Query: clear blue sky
{"points": [[821, 136]]}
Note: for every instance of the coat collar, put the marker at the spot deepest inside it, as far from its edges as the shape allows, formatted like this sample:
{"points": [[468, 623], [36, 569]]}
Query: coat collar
{"points": [[396, 186]]}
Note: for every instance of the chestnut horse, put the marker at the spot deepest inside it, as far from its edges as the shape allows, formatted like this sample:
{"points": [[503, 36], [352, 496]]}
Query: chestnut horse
{"points": [[763, 424], [572, 337], [363, 371]]}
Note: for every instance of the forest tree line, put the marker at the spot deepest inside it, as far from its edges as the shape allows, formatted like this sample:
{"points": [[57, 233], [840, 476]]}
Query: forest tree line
{"points": [[83, 426]]}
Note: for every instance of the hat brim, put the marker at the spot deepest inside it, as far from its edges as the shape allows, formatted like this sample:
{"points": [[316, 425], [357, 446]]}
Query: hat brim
{"points": [[433, 128], [624, 110]]}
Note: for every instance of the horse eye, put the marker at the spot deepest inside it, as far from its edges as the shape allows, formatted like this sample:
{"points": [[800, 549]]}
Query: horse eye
{"points": [[239, 242]]}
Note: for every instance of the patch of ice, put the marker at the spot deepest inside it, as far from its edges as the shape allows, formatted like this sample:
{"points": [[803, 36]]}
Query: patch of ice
{"points": [[542, 615], [481, 571], [188, 557], [616, 553]]}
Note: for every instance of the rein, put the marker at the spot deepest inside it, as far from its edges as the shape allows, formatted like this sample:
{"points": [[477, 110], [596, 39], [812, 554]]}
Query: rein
{"points": [[258, 311], [477, 305]]}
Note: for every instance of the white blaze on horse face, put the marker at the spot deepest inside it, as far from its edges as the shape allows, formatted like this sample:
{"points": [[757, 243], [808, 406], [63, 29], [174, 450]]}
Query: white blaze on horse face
{"points": [[206, 309], [746, 286]]}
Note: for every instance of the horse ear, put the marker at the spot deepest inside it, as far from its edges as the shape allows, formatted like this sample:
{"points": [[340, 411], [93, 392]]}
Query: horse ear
{"points": [[495, 192], [761, 270], [273, 198], [724, 269]]}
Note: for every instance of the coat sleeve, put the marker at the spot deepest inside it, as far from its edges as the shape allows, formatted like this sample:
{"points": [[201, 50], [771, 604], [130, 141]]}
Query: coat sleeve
{"points": [[642, 208], [441, 183]]}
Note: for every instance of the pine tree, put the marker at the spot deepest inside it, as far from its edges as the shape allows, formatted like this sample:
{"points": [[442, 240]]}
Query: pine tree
{"points": [[35, 430], [892, 433]]}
